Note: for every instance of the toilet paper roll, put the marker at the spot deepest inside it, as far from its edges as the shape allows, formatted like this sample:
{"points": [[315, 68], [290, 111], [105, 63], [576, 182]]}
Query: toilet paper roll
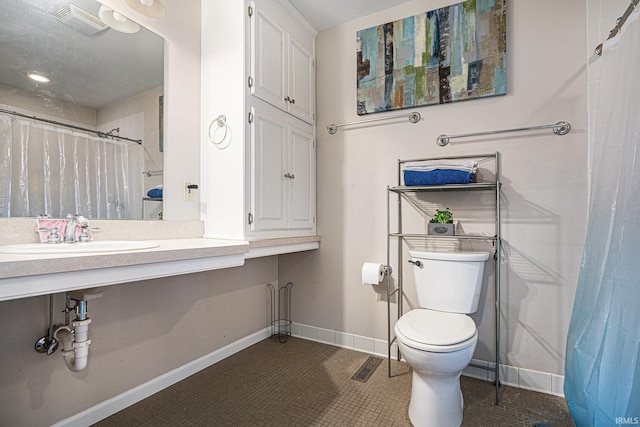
{"points": [[372, 273]]}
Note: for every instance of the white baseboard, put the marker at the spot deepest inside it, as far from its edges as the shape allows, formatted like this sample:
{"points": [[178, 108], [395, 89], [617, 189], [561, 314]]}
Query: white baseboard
{"points": [[529, 379], [115, 404], [340, 339]]}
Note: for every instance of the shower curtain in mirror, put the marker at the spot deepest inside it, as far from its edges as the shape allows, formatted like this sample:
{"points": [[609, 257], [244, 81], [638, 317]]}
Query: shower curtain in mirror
{"points": [[602, 371], [55, 171]]}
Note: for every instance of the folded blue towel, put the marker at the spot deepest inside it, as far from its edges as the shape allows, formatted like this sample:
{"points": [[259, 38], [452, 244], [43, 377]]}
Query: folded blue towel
{"points": [[437, 177], [155, 193]]}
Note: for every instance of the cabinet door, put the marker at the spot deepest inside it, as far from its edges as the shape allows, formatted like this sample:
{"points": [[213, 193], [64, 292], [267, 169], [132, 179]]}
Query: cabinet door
{"points": [[268, 153], [302, 179], [301, 82], [269, 60]]}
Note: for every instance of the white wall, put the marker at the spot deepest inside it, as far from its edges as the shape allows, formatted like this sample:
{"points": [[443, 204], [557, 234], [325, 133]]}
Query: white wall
{"points": [[223, 88], [544, 184]]}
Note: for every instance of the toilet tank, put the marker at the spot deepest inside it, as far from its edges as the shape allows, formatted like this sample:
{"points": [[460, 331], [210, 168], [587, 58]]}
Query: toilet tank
{"points": [[449, 281]]}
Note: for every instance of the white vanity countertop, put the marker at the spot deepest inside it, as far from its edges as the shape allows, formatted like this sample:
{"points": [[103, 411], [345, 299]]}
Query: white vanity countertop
{"points": [[19, 265], [27, 275]]}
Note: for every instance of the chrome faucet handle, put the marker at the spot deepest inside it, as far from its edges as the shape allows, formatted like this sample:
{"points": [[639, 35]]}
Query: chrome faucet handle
{"points": [[84, 237], [54, 237]]}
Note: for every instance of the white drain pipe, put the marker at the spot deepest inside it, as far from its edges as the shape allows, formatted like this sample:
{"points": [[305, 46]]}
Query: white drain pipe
{"points": [[75, 345]]}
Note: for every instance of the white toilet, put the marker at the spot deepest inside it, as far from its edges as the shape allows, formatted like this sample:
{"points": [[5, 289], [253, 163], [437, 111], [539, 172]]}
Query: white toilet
{"points": [[438, 340]]}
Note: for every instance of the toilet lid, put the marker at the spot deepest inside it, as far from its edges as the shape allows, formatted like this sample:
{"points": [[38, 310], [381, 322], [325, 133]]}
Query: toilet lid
{"points": [[436, 328]]}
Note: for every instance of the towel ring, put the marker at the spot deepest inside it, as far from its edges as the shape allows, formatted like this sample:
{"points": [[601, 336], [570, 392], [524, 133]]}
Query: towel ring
{"points": [[221, 121]]}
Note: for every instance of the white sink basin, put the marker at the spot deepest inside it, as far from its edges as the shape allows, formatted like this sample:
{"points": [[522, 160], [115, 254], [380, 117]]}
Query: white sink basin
{"points": [[79, 248]]}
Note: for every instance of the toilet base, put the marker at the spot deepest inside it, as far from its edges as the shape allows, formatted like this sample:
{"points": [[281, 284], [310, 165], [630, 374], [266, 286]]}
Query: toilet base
{"points": [[437, 402], [436, 398]]}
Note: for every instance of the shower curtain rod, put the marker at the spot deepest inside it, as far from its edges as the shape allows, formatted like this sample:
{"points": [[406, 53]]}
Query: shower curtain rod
{"points": [[53, 122], [150, 173], [619, 23]]}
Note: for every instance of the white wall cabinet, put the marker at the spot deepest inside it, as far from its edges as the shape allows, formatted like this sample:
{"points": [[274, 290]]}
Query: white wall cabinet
{"points": [[282, 66], [260, 181], [283, 180]]}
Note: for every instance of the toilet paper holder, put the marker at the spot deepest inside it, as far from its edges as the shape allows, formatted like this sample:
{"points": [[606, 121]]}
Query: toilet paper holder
{"points": [[374, 273]]}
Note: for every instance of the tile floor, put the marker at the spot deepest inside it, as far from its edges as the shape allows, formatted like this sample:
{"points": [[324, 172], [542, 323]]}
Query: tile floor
{"points": [[305, 383]]}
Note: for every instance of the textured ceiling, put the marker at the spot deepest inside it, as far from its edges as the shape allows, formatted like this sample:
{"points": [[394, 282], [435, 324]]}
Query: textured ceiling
{"points": [[329, 13]]}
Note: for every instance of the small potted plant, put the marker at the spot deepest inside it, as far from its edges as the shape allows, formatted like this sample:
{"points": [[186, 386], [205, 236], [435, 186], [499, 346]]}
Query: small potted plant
{"points": [[442, 223]]}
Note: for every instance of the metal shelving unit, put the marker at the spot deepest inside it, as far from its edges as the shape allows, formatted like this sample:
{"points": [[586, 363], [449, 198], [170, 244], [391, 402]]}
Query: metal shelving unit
{"points": [[408, 195]]}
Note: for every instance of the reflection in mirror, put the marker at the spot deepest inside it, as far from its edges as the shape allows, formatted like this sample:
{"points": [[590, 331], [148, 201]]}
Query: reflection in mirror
{"points": [[88, 77]]}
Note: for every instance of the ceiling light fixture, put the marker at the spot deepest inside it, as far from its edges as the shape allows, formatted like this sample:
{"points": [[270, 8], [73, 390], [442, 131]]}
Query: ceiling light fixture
{"points": [[150, 8], [40, 78], [117, 21]]}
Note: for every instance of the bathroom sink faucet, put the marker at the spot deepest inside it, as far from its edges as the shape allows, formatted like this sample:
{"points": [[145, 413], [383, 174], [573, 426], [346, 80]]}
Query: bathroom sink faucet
{"points": [[72, 222]]}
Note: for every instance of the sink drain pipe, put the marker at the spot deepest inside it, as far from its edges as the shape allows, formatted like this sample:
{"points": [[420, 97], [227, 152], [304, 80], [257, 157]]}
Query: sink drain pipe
{"points": [[75, 343]]}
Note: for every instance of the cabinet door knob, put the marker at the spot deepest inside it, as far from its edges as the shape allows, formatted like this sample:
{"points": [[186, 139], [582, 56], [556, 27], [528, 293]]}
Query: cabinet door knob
{"points": [[287, 99], [293, 101], [289, 175]]}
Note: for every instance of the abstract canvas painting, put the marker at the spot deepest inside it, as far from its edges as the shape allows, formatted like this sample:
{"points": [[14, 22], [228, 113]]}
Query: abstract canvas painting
{"points": [[450, 54]]}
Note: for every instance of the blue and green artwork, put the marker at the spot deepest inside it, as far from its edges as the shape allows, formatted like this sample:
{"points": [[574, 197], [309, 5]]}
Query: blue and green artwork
{"points": [[445, 55]]}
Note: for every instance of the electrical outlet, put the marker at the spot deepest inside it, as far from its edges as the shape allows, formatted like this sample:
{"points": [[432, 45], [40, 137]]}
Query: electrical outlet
{"points": [[189, 191]]}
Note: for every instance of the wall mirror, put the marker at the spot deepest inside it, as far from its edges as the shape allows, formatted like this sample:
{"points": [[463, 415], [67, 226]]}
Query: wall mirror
{"points": [[104, 73]]}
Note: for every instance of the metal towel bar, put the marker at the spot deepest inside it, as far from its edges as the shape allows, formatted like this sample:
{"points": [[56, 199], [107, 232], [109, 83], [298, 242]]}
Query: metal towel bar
{"points": [[414, 117], [560, 128]]}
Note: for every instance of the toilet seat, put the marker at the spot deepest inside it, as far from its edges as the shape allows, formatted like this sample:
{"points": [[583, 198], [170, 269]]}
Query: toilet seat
{"points": [[436, 331]]}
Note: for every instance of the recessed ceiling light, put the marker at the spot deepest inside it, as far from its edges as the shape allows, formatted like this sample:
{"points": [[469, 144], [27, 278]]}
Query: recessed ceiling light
{"points": [[38, 77]]}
